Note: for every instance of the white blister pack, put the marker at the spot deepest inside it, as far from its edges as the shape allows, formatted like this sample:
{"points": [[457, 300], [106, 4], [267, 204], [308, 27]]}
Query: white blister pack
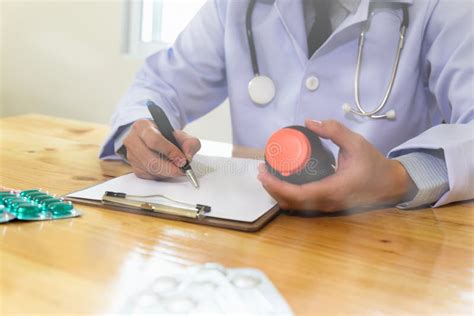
{"points": [[209, 289]]}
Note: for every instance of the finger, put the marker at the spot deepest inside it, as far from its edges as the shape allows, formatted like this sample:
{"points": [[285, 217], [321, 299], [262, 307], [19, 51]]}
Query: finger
{"points": [[157, 169], [262, 168], [142, 173], [189, 144], [154, 140], [287, 194], [327, 195], [323, 195], [137, 167], [335, 131], [152, 162]]}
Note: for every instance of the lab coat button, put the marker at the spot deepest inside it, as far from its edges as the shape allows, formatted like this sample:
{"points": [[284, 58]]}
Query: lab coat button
{"points": [[312, 83]]}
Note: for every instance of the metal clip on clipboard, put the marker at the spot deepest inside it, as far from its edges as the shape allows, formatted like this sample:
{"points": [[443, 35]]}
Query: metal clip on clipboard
{"points": [[176, 208]]}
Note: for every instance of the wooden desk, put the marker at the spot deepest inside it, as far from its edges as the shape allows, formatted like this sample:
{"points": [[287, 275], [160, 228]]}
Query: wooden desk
{"points": [[383, 261]]}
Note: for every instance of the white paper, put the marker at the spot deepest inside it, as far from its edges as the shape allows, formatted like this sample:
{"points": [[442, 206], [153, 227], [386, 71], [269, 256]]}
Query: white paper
{"points": [[228, 185]]}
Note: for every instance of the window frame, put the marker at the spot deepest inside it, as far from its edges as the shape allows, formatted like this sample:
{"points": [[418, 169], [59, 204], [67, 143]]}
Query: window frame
{"points": [[138, 13], [132, 43]]}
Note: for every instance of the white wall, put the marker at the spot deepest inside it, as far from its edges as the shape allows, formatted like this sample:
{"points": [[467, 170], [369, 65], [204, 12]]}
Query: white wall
{"points": [[63, 58]]}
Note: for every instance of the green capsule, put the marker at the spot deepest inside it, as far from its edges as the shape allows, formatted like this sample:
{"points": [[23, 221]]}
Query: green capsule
{"points": [[9, 201], [60, 208], [28, 209], [15, 204], [45, 203], [11, 198], [5, 197], [32, 216], [27, 192], [39, 198], [32, 195], [2, 193]]}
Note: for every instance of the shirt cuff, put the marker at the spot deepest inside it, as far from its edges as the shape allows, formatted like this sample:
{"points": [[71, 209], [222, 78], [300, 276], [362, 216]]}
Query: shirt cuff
{"points": [[119, 148], [428, 171]]}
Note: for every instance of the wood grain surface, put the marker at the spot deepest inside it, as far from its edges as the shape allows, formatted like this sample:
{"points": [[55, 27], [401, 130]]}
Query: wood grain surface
{"points": [[360, 262]]}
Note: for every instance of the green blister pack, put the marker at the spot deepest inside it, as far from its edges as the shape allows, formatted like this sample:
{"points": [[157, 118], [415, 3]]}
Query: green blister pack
{"points": [[5, 216], [34, 205]]}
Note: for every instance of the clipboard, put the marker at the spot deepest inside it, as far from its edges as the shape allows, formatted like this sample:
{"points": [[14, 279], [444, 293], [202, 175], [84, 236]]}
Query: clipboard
{"points": [[209, 221], [116, 195]]}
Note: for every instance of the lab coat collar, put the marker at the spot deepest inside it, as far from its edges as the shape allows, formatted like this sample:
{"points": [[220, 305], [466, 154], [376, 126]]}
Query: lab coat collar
{"points": [[291, 13], [362, 12], [351, 27], [350, 5], [393, 1]]}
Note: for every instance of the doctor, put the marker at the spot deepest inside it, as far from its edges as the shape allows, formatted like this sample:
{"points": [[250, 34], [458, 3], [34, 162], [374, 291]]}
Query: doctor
{"points": [[388, 84]]}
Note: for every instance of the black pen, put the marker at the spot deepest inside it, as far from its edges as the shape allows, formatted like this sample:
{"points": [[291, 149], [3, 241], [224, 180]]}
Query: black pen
{"points": [[165, 128]]}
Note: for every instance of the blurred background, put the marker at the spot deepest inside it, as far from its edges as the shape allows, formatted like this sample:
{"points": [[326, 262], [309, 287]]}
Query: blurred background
{"points": [[75, 59]]}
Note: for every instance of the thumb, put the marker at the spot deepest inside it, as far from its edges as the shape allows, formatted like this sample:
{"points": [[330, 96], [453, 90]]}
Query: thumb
{"points": [[189, 144], [334, 131]]}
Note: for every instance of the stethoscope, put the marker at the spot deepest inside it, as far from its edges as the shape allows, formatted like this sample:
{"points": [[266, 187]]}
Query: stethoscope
{"points": [[262, 90]]}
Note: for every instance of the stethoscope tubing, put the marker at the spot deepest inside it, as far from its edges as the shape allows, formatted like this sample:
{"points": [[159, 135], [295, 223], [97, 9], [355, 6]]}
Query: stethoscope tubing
{"points": [[250, 40], [360, 110]]}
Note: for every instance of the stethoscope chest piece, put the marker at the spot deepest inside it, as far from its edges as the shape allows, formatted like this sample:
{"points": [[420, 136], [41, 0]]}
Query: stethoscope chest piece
{"points": [[261, 90]]}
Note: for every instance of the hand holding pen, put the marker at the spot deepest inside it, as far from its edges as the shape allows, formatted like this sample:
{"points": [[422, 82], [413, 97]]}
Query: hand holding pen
{"points": [[152, 156]]}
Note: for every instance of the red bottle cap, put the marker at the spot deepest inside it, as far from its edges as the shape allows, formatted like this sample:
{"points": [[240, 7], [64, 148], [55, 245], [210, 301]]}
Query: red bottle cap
{"points": [[288, 151]]}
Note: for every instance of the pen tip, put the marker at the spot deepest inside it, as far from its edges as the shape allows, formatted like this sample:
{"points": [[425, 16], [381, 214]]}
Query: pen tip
{"points": [[192, 178]]}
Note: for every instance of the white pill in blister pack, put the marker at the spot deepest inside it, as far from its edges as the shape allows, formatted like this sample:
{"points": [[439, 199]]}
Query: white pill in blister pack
{"points": [[165, 284], [243, 281], [180, 304], [209, 289]]}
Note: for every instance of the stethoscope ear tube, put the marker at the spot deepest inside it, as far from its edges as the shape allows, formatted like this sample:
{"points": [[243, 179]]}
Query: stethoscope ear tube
{"points": [[359, 108]]}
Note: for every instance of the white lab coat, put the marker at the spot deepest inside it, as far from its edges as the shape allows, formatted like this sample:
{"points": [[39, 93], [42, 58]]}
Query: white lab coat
{"points": [[210, 61]]}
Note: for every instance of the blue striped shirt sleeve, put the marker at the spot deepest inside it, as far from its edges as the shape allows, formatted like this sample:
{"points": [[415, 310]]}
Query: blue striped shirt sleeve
{"points": [[429, 173]]}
